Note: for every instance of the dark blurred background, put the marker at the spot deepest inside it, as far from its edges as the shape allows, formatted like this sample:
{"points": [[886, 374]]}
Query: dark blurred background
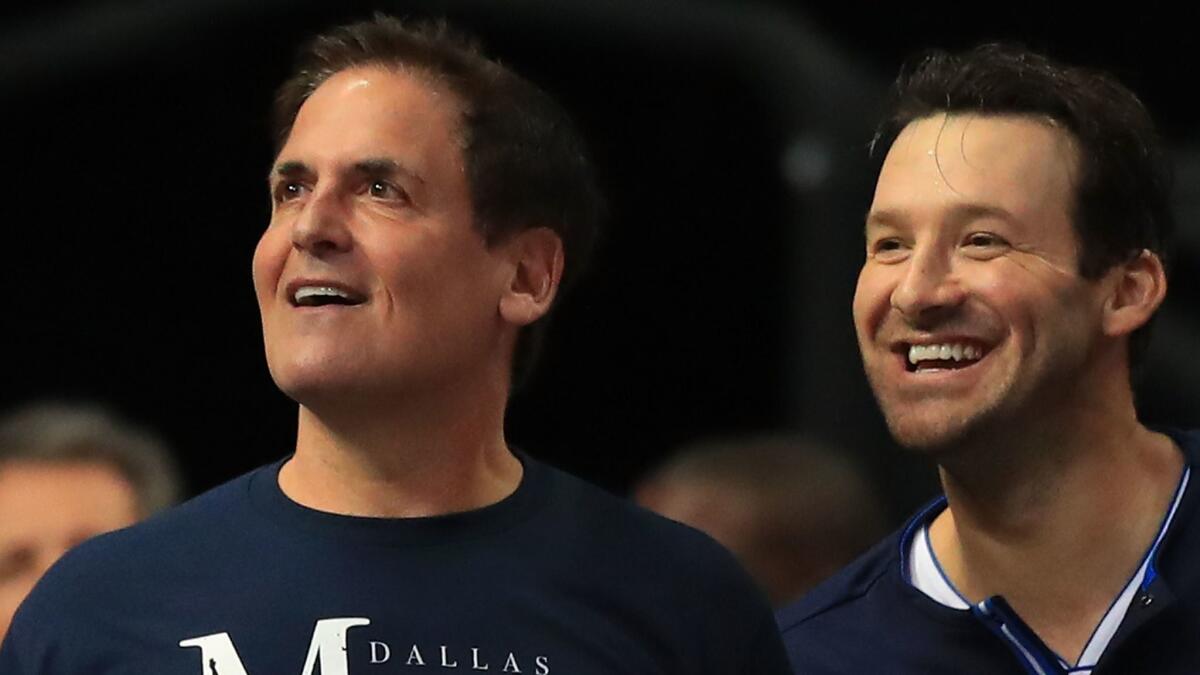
{"points": [[731, 140]]}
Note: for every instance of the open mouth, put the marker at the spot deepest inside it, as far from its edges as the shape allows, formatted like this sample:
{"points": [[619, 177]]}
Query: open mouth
{"points": [[941, 356], [322, 296]]}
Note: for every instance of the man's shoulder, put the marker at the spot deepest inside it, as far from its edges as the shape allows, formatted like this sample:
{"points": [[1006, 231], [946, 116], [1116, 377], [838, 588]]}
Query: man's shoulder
{"points": [[866, 618], [849, 593], [159, 547], [204, 514], [636, 551], [124, 573], [1188, 441], [683, 586], [604, 520]]}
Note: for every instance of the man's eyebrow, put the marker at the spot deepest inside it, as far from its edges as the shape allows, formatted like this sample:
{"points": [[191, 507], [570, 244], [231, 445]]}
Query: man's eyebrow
{"points": [[883, 218], [383, 166], [372, 166], [966, 213], [289, 169], [959, 214]]}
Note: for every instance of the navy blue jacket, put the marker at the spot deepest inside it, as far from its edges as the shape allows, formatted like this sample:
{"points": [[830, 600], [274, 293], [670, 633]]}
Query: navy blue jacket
{"points": [[868, 618]]}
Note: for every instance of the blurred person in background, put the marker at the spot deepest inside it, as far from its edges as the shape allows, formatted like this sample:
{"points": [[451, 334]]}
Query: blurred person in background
{"points": [[790, 509], [68, 473]]}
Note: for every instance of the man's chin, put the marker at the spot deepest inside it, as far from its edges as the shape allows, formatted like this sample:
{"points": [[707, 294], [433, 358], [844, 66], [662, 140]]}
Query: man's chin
{"points": [[338, 393], [930, 437], [315, 389]]}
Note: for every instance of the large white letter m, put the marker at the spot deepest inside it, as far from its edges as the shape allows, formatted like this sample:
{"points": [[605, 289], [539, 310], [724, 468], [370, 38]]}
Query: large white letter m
{"points": [[219, 657]]}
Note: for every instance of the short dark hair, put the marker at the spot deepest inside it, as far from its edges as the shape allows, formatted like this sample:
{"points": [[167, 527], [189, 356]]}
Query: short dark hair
{"points": [[74, 433], [526, 164], [1122, 201]]}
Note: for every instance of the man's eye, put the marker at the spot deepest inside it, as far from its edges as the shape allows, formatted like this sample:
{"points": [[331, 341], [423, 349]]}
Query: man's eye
{"points": [[385, 190], [887, 249], [984, 246], [984, 239], [285, 192]]}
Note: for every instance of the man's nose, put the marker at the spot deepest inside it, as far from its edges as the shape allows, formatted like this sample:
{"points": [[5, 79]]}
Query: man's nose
{"points": [[929, 288], [323, 226]]}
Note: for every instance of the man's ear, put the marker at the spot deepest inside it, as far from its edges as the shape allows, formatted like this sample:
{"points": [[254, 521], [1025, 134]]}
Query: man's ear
{"points": [[537, 267], [1137, 291]]}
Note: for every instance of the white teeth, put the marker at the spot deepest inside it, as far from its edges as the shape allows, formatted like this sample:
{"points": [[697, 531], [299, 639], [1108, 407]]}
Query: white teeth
{"points": [[319, 291], [943, 352]]}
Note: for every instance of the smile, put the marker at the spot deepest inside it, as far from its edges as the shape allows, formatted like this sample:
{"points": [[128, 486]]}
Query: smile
{"points": [[322, 295], [942, 356]]}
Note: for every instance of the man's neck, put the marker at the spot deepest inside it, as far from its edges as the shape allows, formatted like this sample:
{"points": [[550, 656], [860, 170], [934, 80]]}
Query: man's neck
{"points": [[437, 455], [1060, 531]]}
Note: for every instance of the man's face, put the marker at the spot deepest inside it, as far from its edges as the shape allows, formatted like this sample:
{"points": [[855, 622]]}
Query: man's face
{"points": [[45, 509], [371, 275], [971, 272]]}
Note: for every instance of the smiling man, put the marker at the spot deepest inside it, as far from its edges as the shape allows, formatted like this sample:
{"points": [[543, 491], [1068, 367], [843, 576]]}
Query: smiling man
{"points": [[427, 205], [1014, 259]]}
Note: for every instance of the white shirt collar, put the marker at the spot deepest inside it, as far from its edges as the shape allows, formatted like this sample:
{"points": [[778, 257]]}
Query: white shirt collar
{"points": [[927, 576]]}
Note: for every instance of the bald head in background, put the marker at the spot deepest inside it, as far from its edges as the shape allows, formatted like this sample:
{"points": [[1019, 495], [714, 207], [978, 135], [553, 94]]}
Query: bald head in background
{"points": [[790, 509]]}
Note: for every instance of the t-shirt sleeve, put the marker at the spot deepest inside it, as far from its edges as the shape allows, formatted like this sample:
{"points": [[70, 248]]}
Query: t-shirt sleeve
{"points": [[14, 651], [46, 622], [742, 621], [767, 653]]}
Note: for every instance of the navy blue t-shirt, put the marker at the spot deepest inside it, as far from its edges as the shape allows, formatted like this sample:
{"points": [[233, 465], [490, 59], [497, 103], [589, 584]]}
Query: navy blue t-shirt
{"points": [[558, 578]]}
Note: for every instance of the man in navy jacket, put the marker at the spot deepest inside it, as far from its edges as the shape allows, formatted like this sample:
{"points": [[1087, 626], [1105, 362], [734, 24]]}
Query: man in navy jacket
{"points": [[1015, 255]]}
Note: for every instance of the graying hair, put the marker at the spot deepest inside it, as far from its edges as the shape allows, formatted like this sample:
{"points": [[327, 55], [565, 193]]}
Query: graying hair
{"points": [[60, 432]]}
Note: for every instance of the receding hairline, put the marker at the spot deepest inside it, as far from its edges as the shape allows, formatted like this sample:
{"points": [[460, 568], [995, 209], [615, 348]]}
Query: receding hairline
{"points": [[1066, 140], [436, 83]]}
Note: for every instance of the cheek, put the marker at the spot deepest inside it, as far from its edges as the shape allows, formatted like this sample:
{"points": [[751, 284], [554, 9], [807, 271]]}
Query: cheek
{"points": [[1001, 284], [267, 264], [1031, 305], [444, 272], [872, 298]]}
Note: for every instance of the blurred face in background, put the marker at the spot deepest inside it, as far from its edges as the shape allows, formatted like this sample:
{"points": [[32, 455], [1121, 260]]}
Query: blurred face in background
{"points": [[46, 507]]}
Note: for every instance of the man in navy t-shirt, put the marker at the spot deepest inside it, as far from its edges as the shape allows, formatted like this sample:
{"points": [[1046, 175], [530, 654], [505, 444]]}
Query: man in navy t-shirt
{"points": [[428, 204], [1014, 258]]}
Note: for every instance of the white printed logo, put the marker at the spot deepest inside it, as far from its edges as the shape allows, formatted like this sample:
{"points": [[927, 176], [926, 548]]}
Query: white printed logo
{"points": [[328, 644], [328, 647]]}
